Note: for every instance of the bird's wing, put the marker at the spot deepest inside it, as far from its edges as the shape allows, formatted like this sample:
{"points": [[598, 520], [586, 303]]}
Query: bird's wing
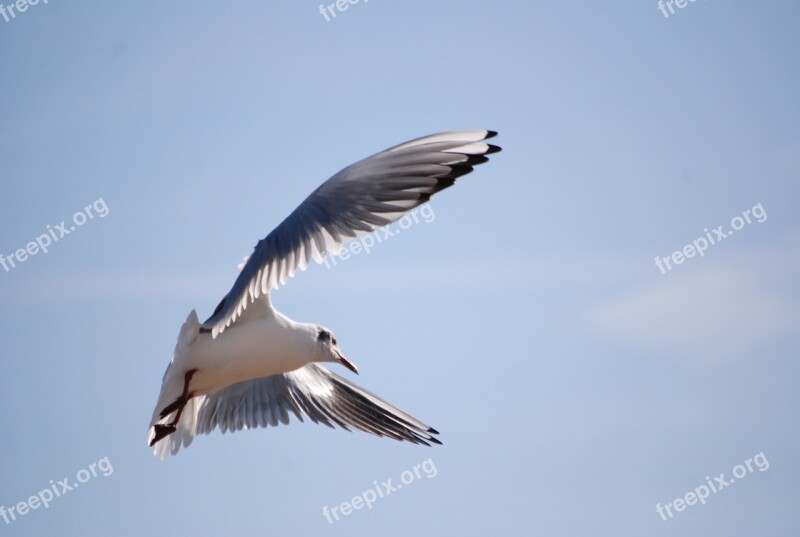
{"points": [[359, 199], [314, 391]]}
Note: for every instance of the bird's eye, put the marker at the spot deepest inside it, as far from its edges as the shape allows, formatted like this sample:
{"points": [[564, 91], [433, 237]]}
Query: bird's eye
{"points": [[324, 335], [334, 341]]}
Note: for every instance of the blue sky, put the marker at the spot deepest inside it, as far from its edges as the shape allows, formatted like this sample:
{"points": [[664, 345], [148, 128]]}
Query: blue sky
{"points": [[575, 385]]}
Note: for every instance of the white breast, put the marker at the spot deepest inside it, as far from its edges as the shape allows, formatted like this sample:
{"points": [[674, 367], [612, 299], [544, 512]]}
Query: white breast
{"points": [[249, 350]]}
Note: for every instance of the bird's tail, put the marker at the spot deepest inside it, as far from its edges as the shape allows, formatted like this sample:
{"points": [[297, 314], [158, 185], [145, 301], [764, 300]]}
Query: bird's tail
{"points": [[182, 435], [171, 390]]}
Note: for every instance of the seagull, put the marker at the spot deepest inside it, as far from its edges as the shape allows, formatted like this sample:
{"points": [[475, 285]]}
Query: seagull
{"points": [[248, 365]]}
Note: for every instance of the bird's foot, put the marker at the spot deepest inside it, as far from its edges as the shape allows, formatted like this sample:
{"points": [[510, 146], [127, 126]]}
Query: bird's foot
{"points": [[162, 431]]}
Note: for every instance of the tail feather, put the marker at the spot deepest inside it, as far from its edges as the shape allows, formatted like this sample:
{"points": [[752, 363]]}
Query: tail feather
{"points": [[160, 438], [183, 434]]}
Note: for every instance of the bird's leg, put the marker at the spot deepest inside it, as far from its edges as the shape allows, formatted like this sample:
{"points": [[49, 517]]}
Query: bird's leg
{"points": [[179, 404]]}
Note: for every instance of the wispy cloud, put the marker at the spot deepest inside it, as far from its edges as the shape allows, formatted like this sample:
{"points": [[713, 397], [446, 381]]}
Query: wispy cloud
{"points": [[724, 308]]}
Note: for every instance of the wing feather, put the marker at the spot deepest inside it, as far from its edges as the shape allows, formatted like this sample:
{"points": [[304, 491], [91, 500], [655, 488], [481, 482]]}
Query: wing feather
{"points": [[358, 200], [311, 391]]}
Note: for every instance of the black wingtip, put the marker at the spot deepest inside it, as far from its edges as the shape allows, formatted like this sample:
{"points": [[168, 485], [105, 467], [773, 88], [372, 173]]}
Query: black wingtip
{"points": [[493, 149], [432, 430], [435, 441], [490, 134]]}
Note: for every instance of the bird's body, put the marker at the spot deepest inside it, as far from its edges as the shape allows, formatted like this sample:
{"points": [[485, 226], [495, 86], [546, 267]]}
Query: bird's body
{"points": [[249, 365], [253, 348]]}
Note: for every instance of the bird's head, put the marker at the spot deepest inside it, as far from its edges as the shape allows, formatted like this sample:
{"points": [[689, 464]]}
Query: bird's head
{"points": [[328, 349]]}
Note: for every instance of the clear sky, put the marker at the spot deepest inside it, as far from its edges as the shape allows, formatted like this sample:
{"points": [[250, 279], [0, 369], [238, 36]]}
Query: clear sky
{"points": [[575, 383]]}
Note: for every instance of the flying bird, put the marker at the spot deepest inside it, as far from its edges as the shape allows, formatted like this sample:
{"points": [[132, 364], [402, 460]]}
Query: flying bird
{"points": [[248, 365]]}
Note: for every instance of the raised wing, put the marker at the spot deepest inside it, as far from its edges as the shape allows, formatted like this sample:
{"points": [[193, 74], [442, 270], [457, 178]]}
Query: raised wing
{"points": [[359, 199]]}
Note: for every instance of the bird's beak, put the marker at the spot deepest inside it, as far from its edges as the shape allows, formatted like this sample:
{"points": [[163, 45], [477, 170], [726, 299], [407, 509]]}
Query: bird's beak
{"points": [[347, 363]]}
